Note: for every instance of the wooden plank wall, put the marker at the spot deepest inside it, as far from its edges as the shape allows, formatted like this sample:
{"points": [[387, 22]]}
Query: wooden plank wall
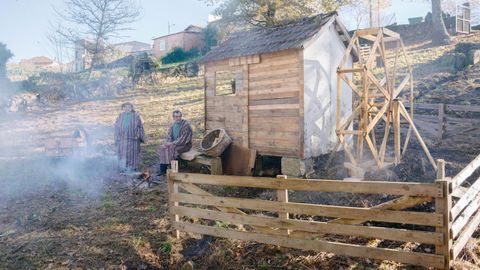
{"points": [[275, 101], [227, 112], [266, 113]]}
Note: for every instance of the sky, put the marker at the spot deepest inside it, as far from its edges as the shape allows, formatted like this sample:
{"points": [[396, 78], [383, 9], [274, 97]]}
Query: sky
{"points": [[24, 23]]}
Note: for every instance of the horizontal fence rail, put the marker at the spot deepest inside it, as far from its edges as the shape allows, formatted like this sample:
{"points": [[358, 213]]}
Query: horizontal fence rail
{"points": [[194, 209], [442, 122], [365, 187]]}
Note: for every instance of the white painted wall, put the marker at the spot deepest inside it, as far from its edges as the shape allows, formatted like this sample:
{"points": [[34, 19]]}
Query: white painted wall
{"points": [[321, 57]]}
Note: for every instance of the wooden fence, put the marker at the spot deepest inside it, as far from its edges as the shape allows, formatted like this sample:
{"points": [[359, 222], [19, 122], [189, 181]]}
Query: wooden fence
{"points": [[464, 213], [448, 227], [447, 123], [188, 199]]}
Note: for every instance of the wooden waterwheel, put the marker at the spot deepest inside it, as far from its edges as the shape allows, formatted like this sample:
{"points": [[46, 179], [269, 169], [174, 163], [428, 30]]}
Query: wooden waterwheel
{"points": [[380, 81]]}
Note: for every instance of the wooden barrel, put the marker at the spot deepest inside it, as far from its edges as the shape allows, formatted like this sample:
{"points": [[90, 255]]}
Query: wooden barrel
{"points": [[215, 142]]}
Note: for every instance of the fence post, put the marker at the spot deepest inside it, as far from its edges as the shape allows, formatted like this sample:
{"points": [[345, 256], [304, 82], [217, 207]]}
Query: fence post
{"points": [[282, 196], [173, 188], [443, 206], [441, 121]]}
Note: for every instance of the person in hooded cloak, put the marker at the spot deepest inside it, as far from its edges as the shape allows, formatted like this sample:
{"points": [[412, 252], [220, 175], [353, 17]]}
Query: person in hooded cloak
{"points": [[129, 134]]}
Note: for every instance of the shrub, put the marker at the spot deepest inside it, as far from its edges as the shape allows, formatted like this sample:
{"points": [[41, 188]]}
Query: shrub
{"points": [[5, 55], [466, 47], [179, 55], [142, 64]]}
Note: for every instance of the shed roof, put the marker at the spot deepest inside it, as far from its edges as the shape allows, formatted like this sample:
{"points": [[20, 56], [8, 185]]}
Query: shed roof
{"points": [[266, 40]]}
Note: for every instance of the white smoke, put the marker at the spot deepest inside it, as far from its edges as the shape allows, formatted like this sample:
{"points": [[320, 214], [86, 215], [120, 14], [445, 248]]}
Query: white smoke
{"points": [[26, 167]]}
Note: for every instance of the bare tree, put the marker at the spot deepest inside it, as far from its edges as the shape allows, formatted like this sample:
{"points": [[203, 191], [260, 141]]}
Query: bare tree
{"points": [[372, 11], [98, 20], [59, 45]]}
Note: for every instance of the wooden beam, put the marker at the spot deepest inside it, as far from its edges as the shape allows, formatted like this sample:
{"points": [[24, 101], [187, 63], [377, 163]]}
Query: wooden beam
{"points": [[442, 207], [383, 147], [403, 217], [405, 114], [318, 185], [368, 31], [423, 259], [401, 86], [401, 203], [466, 235], [198, 191], [466, 172], [173, 189], [373, 150], [351, 84], [346, 148], [464, 218], [373, 51], [349, 120], [314, 227], [348, 51], [390, 33], [396, 131], [282, 196], [350, 70], [471, 193], [407, 140], [377, 117], [378, 85]]}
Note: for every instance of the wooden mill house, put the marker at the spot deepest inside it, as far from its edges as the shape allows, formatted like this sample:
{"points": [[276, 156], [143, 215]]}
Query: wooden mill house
{"points": [[275, 89]]}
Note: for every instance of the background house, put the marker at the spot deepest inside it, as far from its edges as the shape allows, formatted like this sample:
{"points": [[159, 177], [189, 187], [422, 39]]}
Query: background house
{"points": [[132, 48], [85, 47], [191, 37], [282, 99], [39, 63], [83, 53]]}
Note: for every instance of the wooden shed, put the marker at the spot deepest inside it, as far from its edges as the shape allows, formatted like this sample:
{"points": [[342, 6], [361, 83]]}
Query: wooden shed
{"points": [[274, 89]]}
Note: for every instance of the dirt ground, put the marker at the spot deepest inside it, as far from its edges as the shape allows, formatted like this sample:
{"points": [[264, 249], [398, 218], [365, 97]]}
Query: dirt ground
{"points": [[101, 222]]}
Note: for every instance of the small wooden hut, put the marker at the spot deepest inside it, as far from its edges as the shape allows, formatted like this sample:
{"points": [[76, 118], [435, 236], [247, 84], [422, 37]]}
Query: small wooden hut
{"points": [[275, 89]]}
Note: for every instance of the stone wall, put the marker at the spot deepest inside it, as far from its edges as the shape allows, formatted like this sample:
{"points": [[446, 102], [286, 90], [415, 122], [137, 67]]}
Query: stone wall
{"points": [[412, 32]]}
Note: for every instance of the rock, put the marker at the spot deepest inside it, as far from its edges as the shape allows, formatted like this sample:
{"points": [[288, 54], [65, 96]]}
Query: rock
{"points": [[188, 266], [475, 56], [17, 104], [296, 167]]}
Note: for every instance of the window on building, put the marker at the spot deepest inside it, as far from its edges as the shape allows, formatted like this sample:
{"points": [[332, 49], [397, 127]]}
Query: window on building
{"points": [[227, 83], [163, 45]]}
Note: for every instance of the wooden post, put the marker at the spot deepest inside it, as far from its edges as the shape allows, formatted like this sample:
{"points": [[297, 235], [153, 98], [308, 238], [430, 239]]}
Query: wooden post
{"points": [[363, 118], [443, 206], [173, 188], [339, 96], [396, 131], [441, 121], [282, 196]]}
